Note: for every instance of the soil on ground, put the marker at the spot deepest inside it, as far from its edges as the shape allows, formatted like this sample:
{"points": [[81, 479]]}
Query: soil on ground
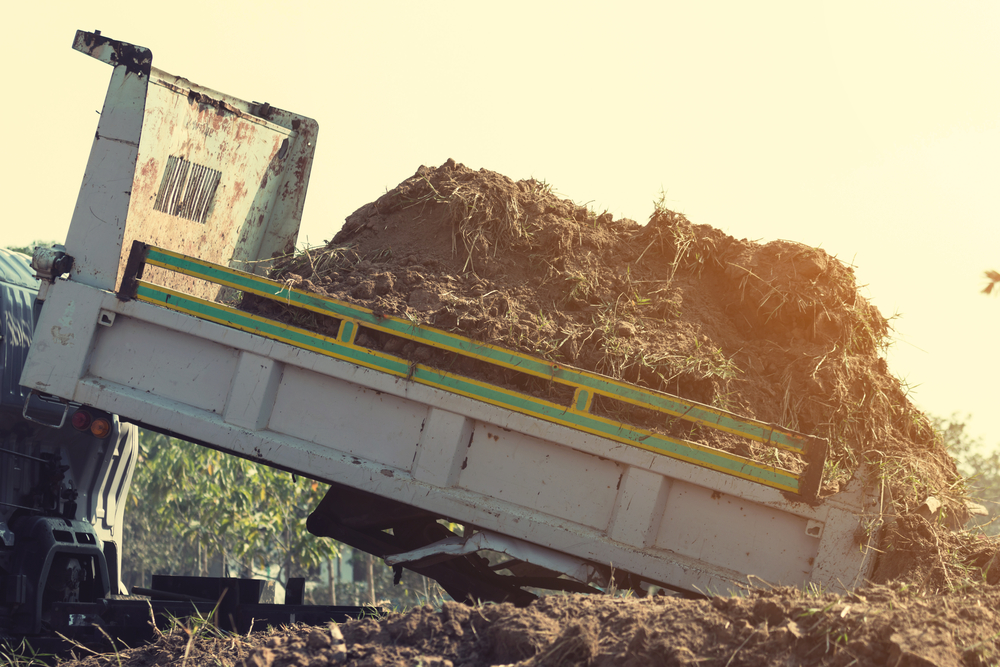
{"points": [[881, 625]]}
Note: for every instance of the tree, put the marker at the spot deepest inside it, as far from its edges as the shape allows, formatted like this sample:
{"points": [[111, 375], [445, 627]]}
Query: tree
{"points": [[980, 467], [197, 511], [192, 507]]}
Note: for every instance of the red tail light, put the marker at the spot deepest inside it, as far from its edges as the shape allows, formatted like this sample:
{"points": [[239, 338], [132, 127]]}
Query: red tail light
{"points": [[81, 420]]}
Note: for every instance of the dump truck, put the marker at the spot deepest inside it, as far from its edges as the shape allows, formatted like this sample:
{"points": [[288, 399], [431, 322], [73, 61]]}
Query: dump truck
{"points": [[495, 493]]}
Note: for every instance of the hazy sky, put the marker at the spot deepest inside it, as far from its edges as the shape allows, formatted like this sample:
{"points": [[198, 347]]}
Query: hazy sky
{"points": [[871, 130]]}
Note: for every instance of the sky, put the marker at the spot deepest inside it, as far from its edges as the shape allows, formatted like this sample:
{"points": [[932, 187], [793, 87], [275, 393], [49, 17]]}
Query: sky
{"points": [[871, 130]]}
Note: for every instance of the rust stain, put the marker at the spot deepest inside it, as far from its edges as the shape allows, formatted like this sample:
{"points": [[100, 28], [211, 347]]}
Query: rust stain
{"points": [[239, 191], [150, 170], [245, 132], [147, 180], [257, 163]]}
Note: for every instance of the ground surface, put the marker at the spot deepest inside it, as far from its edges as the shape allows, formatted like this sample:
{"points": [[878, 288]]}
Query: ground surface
{"points": [[774, 331], [878, 626]]}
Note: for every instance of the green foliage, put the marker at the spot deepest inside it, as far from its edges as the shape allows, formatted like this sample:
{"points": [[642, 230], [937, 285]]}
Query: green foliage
{"points": [[196, 511], [977, 463], [22, 655], [192, 506]]}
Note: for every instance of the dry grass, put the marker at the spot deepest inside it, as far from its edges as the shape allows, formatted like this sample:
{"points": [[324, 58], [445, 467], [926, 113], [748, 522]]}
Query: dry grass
{"points": [[317, 263], [484, 220]]}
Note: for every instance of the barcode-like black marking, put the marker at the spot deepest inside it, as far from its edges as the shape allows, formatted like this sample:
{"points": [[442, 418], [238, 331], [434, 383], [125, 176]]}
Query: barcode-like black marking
{"points": [[187, 189]]}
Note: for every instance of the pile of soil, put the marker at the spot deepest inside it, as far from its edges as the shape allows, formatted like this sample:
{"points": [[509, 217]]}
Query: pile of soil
{"points": [[882, 626], [776, 331]]}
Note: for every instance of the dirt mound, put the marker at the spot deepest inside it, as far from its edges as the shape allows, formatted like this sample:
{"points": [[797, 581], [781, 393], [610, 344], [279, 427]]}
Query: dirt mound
{"points": [[777, 331], [884, 626]]}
